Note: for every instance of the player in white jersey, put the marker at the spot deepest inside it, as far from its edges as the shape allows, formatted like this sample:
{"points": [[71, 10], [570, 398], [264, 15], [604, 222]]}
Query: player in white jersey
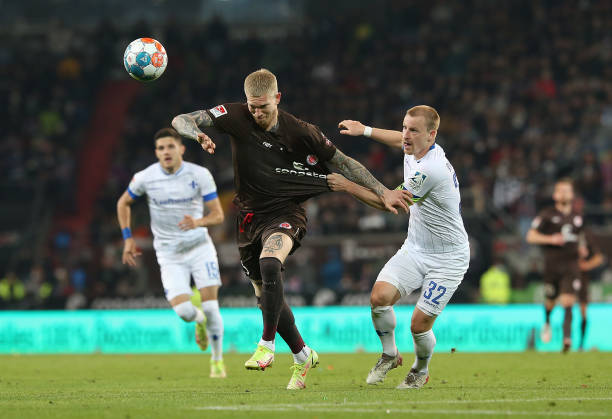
{"points": [[177, 192], [435, 255]]}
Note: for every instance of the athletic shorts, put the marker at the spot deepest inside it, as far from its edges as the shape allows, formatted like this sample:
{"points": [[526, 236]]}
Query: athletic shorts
{"points": [[177, 268], [561, 281], [583, 290], [253, 230], [437, 275]]}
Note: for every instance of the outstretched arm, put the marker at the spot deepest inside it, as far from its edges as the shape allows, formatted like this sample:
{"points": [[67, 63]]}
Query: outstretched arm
{"points": [[354, 171], [188, 125], [337, 182], [385, 136]]}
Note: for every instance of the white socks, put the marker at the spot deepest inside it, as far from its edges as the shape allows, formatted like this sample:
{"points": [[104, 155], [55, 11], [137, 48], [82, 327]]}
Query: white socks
{"points": [[267, 343], [384, 321], [423, 347], [302, 356], [214, 328]]}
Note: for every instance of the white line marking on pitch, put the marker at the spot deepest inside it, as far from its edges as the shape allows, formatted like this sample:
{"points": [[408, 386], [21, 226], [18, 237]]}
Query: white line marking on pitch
{"points": [[309, 408], [464, 401]]}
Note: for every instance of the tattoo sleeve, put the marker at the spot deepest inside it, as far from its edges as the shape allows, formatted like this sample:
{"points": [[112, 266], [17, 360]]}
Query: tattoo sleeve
{"points": [[188, 124], [355, 171]]}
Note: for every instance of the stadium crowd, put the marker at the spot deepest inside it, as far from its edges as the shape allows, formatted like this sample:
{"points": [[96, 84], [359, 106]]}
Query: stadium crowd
{"points": [[524, 91]]}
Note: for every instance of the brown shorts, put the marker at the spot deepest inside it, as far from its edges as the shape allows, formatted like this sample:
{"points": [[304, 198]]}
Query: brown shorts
{"points": [[253, 229], [561, 282], [583, 292]]}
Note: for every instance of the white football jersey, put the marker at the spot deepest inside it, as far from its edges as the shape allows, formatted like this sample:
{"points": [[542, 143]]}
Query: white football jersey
{"points": [[435, 223], [170, 198]]}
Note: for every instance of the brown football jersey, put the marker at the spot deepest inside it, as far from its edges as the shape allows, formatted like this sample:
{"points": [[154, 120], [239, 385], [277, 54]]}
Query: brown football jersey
{"points": [[277, 169], [551, 221]]}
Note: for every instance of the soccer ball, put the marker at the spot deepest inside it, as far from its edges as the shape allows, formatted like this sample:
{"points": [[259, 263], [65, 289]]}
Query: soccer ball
{"points": [[145, 59]]}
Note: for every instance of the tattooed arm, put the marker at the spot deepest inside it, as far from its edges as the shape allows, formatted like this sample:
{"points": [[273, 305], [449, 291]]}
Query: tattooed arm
{"points": [[356, 172], [188, 125]]}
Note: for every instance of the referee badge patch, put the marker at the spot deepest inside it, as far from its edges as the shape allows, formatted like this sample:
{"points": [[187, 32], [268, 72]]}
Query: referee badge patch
{"points": [[285, 225]]}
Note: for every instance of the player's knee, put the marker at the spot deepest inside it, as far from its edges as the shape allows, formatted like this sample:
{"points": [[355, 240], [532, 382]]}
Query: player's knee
{"points": [[379, 299], [420, 324], [185, 311], [380, 310], [270, 269]]}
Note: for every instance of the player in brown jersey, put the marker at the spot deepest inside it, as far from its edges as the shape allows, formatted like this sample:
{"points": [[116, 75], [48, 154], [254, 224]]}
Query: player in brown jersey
{"points": [[279, 162], [558, 230], [591, 260]]}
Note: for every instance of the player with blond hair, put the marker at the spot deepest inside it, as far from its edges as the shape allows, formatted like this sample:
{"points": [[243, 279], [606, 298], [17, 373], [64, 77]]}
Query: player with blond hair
{"points": [[436, 253], [279, 162]]}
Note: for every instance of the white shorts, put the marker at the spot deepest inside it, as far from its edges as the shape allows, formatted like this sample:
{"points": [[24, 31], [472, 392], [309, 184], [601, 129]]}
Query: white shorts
{"points": [[438, 275], [177, 268]]}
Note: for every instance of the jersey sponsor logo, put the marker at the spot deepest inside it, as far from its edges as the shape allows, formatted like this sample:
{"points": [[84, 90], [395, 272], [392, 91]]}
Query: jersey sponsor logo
{"points": [[311, 159], [171, 201], [267, 144], [299, 166], [304, 172], [416, 181], [567, 230], [218, 111], [285, 225]]}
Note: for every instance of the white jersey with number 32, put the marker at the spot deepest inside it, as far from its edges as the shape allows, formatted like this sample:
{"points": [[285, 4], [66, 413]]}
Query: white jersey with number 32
{"points": [[435, 223]]}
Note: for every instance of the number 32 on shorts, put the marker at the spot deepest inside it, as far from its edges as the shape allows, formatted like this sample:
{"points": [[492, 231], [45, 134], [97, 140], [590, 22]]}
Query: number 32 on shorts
{"points": [[431, 289]]}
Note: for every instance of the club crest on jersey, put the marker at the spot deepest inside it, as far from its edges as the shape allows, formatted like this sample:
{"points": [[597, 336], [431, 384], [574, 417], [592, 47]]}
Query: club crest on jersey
{"points": [[218, 111], [311, 159], [416, 181], [285, 225]]}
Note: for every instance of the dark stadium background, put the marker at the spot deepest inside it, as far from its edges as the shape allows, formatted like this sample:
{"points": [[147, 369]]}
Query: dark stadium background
{"points": [[524, 89]]}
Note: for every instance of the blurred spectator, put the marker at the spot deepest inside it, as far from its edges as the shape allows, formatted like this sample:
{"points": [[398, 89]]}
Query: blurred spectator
{"points": [[495, 285], [12, 291], [523, 90]]}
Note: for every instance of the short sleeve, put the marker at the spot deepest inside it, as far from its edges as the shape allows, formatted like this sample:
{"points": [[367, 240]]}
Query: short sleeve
{"points": [[420, 182], [208, 188], [323, 148], [224, 116], [136, 188], [539, 222]]}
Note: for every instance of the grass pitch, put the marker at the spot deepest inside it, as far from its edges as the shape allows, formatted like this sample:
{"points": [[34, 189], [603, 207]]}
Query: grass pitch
{"points": [[167, 386]]}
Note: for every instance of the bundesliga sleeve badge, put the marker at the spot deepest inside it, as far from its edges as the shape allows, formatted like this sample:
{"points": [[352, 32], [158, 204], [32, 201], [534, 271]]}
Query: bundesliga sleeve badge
{"points": [[218, 111]]}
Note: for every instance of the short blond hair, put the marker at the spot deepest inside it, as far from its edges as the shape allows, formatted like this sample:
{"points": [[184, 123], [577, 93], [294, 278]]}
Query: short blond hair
{"points": [[260, 83], [432, 119]]}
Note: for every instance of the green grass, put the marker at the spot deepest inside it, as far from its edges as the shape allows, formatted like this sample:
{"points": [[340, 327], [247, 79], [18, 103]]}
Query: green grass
{"points": [[168, 386]]}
